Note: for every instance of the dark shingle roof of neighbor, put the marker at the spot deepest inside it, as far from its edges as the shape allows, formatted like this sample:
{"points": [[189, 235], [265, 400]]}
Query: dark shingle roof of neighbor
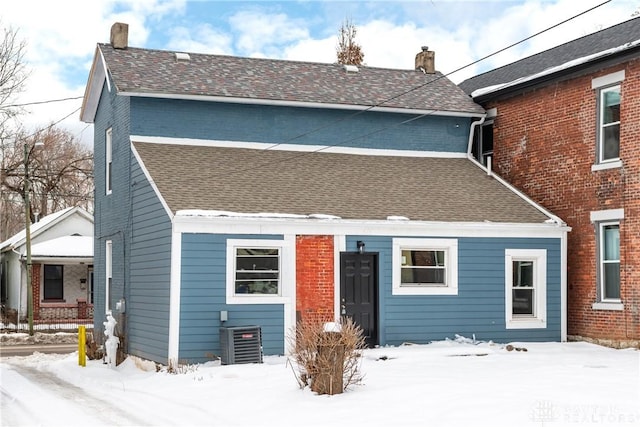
{"points": [[147, 71], [346, 185], [609, 38]]}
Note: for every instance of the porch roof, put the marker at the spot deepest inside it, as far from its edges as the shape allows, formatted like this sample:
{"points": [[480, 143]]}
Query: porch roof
{"points": [[64, 247]]}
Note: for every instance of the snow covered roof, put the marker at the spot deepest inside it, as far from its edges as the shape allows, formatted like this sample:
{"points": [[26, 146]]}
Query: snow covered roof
{"points": [[613, 43], [64, 247], [44, 224]]}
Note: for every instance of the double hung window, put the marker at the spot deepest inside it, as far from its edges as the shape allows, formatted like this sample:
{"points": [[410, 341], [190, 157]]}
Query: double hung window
{"points": [[609, 124], [526, 288], [609, 261], [108, 160], [607, 236], [608, 91], [53, 282]]}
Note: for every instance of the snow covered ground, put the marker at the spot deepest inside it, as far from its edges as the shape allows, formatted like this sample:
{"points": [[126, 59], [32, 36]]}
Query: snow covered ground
{"points": [[456, 382]]}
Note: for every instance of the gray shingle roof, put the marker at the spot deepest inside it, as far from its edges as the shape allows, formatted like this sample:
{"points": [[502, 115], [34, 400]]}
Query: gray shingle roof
{"points": [[346, 185], [146, 71], [609, 38]]}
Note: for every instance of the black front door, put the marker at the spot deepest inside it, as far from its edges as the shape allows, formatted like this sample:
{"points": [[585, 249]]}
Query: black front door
{"points": [[359, 291]]}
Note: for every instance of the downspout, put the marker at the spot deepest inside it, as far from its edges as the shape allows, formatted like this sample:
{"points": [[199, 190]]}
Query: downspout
{"points": [[472, 132], [490, 172], [13, 249], [552, 218]]}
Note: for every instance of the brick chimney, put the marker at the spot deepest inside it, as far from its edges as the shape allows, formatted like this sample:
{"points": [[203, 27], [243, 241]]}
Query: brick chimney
{"points": [[120, 35], [425, 60]]}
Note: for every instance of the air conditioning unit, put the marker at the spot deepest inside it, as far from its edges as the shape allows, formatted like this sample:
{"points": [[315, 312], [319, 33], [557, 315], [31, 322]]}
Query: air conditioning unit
{"points": [[241, 344]]}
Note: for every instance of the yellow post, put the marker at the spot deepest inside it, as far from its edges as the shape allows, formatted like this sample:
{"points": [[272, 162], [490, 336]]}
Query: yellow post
{"points": [[82, 348]]}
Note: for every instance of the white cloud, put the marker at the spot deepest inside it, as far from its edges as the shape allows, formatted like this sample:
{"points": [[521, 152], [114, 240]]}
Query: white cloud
{"points": [[61, 35], [200, 39], [311, 50], [259, 32], [61, 38]]}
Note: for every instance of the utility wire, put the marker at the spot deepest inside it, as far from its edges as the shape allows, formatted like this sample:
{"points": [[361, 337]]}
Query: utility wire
{"points": [[369, 108], [49, 101]]}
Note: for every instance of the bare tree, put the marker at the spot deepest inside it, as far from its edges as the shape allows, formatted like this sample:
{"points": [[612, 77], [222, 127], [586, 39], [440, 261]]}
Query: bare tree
{"points": [[60, 174], [348, 51], [13, 74]]}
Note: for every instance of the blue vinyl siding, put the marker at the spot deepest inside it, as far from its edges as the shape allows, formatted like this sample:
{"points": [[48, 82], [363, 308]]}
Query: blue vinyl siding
{"points": [[288, 125], [479, 307], [203, 296], [148, 296], [111, 217]]}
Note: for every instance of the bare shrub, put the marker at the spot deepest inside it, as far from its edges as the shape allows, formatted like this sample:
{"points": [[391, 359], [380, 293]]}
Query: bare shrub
{"points": [[328, 361]]}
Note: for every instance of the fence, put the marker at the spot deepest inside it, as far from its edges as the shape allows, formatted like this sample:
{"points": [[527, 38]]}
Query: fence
{"points": [[50, 318]]}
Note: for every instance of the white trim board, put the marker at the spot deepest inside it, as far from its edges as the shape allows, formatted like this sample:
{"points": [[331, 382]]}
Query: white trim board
{"points": [[264, 146]]}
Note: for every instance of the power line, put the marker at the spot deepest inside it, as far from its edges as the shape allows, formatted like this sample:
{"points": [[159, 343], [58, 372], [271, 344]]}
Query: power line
{"points": [[49, 101], [371, 107]]}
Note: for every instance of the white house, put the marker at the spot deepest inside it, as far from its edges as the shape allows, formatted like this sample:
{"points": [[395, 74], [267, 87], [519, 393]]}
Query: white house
{"points": [[62, 259]]}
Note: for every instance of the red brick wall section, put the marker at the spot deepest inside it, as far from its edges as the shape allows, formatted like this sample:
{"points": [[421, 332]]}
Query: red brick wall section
{"points": [[545, 144], [315, 277], [35, 281]]}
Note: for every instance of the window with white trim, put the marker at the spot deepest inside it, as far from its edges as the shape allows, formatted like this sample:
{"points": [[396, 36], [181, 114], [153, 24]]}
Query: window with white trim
{"points": [[609, 261], [257, 270], [609, 124], [607, 237], [108, 160], [525, 288], [608, 90], [425, 267], [108, 274]]}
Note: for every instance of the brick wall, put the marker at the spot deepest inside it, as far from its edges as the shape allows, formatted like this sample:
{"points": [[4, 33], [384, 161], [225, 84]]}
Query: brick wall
{"points": [[315, 277], [36, 270], [545, 144]]}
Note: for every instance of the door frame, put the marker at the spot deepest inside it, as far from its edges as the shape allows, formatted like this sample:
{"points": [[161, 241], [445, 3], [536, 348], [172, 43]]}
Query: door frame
{"points": [[375, 340]]}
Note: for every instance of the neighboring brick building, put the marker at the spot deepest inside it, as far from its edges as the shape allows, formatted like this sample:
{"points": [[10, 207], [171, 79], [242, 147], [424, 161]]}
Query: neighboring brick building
{"points": [[564, 128]]}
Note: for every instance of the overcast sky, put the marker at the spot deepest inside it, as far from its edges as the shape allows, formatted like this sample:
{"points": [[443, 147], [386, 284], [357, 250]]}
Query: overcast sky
{"points": [[61, 35]]}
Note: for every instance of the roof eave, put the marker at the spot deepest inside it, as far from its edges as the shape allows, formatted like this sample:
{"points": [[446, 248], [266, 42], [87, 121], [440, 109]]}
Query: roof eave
{"points": [[97, 78], [406, 227], [563, 74], [303, 104]]}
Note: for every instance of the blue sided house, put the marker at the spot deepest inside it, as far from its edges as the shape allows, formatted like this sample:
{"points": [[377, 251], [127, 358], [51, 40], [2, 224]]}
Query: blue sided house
{"points": [[256, 192]]}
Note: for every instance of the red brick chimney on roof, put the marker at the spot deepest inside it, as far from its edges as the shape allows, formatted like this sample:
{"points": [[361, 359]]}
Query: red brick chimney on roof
{"points": [[425, 61], [120, 35]]}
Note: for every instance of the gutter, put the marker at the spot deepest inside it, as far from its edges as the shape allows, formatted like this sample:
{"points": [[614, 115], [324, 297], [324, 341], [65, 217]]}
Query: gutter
{"points": [[489, 171]]}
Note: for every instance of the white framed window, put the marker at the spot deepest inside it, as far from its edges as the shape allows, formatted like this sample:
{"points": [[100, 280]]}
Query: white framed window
{"points": [[108, 161], [609, 261], [108, 263], [607, 236], [425, 266], [609, 124], [256, 271], [608, 91], [525, 288]]}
